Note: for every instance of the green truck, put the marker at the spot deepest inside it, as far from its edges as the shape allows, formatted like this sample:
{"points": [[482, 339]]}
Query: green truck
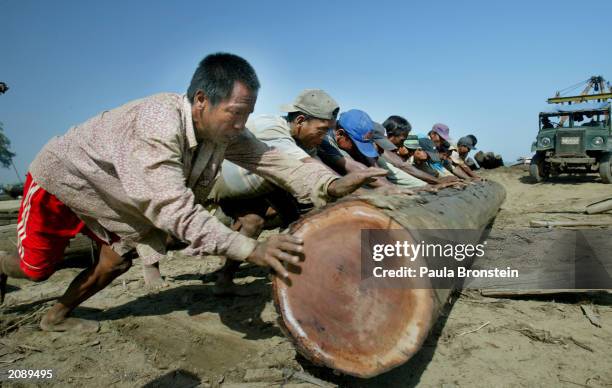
{"points": [[574, 138]]}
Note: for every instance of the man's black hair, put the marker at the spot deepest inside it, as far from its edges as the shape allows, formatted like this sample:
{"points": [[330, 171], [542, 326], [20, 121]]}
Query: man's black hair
{"points": [[216, 74], [397, 126], [444, 148]]}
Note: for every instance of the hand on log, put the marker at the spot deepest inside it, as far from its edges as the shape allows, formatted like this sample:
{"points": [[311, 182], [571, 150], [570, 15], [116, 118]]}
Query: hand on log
{"points": [[450, 178], [392, 190], [426, 189], [454, 184], [354, 180], [275, 250]]}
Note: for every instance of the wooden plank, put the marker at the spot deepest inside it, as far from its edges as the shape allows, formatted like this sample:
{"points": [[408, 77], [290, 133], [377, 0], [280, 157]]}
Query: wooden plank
{"points": [[546, 224], [599, 207], [494, 293]]}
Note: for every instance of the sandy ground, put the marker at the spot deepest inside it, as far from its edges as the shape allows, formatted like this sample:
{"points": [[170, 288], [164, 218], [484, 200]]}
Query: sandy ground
{"points": [[184, 336]]}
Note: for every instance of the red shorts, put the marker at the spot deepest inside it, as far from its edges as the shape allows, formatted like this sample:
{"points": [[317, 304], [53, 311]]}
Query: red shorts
{"points": [[44, 229]]}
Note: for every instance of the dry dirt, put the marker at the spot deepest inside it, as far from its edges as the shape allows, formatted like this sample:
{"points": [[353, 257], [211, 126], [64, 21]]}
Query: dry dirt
{"points": [[184, 336]]}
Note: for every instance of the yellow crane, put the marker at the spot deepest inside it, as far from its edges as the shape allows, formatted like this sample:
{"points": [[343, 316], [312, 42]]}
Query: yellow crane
{"points": [[596, 83]]}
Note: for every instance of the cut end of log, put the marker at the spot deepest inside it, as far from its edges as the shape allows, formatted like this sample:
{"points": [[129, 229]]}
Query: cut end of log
{"points": [[335, 318], [346, 320]]}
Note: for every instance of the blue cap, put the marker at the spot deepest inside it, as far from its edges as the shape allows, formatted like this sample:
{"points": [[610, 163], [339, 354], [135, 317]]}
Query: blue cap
{"points": [[360, 128]]}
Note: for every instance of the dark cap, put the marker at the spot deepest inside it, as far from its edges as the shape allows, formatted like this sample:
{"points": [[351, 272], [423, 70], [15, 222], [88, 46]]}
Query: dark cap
{"points": [[379, 135], [428, 146], [467, 141], [474, 140]]}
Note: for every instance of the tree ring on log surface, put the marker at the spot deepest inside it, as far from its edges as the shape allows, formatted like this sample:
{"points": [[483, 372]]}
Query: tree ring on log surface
{"points": [[332, 317]]}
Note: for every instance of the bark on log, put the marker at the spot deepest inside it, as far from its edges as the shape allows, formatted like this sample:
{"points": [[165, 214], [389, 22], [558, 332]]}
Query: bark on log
{"points": [[334, 320]]}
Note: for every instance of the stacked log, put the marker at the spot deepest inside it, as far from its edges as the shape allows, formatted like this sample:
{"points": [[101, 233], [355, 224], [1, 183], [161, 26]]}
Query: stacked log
{"points": [[8, 211], [599, 207]]}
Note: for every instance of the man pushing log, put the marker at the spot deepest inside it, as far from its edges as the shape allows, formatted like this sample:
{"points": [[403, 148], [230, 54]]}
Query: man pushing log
{"points": [[126, 178]]}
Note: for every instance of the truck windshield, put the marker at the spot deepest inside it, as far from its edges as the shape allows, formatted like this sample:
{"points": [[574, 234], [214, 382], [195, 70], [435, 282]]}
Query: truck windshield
{"points": [[597, 118]]}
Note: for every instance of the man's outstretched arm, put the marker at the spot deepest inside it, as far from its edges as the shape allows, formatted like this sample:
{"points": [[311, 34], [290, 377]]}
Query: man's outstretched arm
{"points": [[409, 168], [308, 182], [150, 168]]}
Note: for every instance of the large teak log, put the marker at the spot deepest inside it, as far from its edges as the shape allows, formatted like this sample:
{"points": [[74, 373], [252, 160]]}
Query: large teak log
{"points": [[328, 310]]}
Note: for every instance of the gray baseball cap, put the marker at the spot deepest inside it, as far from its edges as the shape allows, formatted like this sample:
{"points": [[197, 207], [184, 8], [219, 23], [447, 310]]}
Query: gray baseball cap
{"points": [[314, 102]]}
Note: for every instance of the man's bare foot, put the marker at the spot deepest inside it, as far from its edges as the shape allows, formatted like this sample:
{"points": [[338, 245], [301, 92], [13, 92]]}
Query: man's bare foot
{"points": [[74, 325], [152, 277]]}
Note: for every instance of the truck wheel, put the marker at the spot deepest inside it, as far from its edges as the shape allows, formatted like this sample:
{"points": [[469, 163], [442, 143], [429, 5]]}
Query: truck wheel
{"points": [[537, 168], [605, 167]]}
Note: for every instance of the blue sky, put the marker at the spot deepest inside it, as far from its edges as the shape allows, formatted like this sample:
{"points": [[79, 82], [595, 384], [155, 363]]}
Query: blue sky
{"points": [[481, 67]]}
